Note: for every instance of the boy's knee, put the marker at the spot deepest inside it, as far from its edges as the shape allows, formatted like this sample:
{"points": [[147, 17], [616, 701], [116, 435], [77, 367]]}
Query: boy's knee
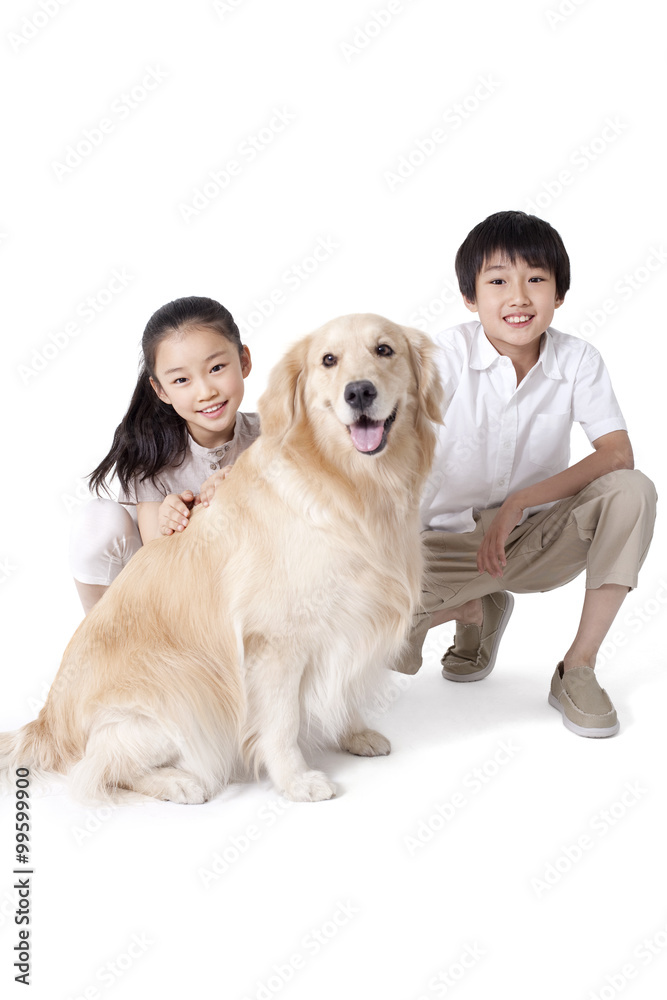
{"points": [[636, 491]]}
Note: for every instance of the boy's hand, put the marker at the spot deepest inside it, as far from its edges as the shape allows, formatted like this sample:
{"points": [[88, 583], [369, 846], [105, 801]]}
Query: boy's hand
{"points": [[174, 512], [491, 553], [207, 489]]}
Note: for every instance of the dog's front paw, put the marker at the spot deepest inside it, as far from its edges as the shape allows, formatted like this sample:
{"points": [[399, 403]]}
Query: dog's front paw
{"points": [[367, 743], [310, 786]]}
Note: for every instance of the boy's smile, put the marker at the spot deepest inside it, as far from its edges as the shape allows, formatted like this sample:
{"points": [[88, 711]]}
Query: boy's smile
{"points": [[516, 304]]}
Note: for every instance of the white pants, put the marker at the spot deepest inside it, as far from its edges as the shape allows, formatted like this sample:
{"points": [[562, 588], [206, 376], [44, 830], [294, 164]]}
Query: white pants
{"points": [[103, 539]]}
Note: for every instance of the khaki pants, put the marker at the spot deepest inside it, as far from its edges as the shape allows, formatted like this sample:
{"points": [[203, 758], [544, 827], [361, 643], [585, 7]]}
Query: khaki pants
{"points": [[605, 529]]}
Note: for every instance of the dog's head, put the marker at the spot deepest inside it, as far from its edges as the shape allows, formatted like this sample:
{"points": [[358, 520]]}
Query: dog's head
{"points": [[360, 388]]}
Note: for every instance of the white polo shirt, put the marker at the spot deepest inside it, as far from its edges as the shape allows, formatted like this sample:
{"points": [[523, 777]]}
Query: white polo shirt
{"points": [[498, 438]]}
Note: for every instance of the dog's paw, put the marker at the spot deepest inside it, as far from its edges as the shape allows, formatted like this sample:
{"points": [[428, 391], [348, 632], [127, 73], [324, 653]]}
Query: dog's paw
{"points": [[311, 786], [173, 785], [187, 792], [367, 743]]}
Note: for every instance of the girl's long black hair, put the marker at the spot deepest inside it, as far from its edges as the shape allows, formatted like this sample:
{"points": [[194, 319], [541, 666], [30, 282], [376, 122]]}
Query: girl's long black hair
{"points": [[151, 435]]}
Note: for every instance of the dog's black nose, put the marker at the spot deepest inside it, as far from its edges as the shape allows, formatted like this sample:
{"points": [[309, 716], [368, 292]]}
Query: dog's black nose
{"points": [[360, 395]]}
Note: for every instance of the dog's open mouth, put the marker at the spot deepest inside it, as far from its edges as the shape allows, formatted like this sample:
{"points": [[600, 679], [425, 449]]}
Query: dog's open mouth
{"points": [[370, 436]]}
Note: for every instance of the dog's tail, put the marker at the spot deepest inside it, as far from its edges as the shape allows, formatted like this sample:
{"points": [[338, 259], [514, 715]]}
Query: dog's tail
{"points": [[31, 748]]}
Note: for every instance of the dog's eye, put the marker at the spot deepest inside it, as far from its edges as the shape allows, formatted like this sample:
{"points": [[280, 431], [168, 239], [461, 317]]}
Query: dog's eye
{"points": [[329, 360], [384, 350]]}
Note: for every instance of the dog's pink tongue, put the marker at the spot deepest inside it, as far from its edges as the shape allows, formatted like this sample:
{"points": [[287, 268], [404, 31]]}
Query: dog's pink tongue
{"points": [[366, 436]]}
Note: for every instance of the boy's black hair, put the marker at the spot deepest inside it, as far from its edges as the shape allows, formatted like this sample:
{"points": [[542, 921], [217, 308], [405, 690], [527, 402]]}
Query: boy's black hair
{"points": [[515, 235], [151, 435]]}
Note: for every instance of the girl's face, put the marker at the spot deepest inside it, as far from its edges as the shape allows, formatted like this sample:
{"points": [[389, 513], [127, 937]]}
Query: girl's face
{"points": [[200, 373]]}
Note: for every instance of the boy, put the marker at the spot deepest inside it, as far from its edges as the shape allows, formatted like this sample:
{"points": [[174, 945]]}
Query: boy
{"points": [[502, 510]]}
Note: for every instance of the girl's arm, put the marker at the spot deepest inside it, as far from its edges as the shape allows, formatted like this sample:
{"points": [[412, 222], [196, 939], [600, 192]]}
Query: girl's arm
{"points": [[165, 517]]}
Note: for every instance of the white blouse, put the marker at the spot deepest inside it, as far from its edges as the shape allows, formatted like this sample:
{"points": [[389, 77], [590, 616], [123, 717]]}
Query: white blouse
{"points": [[199, 463]]}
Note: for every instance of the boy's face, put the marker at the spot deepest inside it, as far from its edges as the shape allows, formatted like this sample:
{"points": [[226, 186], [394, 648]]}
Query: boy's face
{"points": [[515, 303]]}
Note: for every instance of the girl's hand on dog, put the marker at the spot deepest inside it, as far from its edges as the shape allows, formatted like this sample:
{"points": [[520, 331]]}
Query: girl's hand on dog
{"points": [[175, 509], [207, 489], [174, 512]]}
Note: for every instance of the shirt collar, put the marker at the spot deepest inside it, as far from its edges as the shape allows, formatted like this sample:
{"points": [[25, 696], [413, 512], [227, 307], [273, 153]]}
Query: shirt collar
{"points": [[199, 449], [483, 354], [548, 357]]}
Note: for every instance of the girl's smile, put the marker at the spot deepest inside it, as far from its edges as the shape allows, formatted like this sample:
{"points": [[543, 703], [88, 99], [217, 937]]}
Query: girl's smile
{"points": [[213, 411]]}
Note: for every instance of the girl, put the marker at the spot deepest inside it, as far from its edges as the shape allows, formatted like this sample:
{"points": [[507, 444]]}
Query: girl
{"points": [[182, 424]]}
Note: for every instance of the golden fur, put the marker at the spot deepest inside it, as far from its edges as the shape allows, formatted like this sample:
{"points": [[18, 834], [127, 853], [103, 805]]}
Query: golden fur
{"points": [[220, 649]]}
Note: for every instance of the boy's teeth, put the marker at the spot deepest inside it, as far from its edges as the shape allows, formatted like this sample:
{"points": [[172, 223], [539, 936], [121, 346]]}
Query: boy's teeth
{"points": [[517, 319]]}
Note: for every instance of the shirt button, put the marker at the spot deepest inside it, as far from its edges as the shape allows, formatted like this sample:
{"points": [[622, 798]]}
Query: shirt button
{"points": [[501, 482], [213, 466], [218, 453]]}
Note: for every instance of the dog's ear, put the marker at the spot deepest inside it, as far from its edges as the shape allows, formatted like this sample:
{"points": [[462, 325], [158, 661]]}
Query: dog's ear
{"points": [[281, 403], [422, 356]]}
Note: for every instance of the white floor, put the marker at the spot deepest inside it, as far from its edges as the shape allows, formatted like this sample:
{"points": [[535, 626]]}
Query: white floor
{"points": [[491, 849]]}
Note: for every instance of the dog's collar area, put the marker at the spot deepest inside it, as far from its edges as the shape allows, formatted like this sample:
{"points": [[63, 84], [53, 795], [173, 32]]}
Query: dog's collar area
{"points": [[370, 436]]}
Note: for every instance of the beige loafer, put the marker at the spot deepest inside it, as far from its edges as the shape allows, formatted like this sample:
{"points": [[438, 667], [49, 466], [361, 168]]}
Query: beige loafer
{"points": [[585, 706], [473, 655]]}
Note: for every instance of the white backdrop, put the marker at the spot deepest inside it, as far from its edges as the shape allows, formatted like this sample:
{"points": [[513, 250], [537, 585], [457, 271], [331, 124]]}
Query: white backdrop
{"points": [[299, 161]]}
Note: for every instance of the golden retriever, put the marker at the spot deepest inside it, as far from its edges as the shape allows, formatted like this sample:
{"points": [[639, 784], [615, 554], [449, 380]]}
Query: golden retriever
{"points": [[219, 650]]}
